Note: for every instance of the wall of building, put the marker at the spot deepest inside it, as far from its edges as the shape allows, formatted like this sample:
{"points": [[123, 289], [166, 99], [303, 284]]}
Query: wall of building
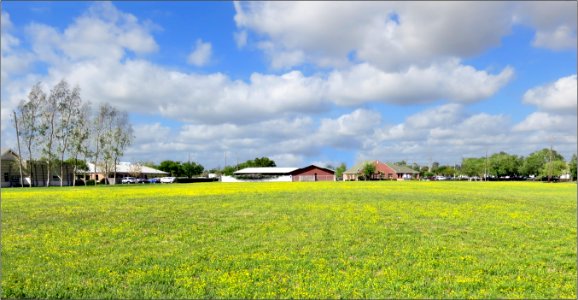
{"points": [[313, 174], [285, 178]]}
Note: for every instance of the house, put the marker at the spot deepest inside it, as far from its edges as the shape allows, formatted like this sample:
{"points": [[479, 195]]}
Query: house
{"points": [[382, 171], [39, 169], [124, 169], [313, 173], [9, 168]]}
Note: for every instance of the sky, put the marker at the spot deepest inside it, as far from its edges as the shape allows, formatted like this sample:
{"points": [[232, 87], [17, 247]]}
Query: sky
{"points": [[307, 82]]}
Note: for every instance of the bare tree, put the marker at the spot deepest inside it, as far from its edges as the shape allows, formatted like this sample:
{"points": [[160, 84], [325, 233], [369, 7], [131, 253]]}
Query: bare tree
{"points": [[135, 170], [30, 123], [48, 126], [69, 105], [80, 136], [122, 136], [98, 137]]}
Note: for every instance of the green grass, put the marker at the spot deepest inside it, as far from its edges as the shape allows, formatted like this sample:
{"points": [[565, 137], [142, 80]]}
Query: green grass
{"points": [[291, 240]]}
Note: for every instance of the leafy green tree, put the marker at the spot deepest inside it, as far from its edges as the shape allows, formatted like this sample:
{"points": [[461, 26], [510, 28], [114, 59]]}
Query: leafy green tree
{"points": [[368, 170], [446, 171], [80, 164], [434, 167], [191, 169], [172, 167], [339, 170], [473, 166], [553, 168], [572, 167], [536, 161], [503, 164], [229, 170]]}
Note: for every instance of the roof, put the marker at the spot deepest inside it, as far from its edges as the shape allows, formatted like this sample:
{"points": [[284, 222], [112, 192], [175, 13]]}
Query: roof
{"points": [[266, 170], [356, 169], [402, 169], [8, 154], [126, 168], [318, 167]]}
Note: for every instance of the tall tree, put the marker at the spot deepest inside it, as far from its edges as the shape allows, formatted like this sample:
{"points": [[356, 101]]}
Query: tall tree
{"points": [[80, 137], [122, 136], [29, 124], [48, 127], [69, 106]]}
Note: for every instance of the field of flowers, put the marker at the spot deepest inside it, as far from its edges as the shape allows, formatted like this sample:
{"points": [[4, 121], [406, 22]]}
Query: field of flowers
{"points": [[291, 240]]}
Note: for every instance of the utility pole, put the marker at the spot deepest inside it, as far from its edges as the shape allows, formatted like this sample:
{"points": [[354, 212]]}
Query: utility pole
{"points": [[486, 167]]}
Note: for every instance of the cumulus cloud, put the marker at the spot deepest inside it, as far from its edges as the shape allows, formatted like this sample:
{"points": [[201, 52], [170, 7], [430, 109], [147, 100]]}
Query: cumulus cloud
{"points": [[396, 35], [560, 96], [547, 122], [388, 35], [554, 21], [102, 33], [201, 55], [449, 80]]}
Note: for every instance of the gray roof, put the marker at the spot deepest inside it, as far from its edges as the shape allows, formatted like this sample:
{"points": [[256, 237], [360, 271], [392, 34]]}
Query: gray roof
{"points": [[402, 169], [126, 168], [356, 169]]}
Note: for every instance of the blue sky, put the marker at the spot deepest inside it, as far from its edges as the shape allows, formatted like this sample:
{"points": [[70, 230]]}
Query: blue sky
{"points": [[305, 82]]}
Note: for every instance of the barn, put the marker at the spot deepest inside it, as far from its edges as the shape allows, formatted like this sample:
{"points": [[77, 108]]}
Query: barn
{"points": [[313, 173]]}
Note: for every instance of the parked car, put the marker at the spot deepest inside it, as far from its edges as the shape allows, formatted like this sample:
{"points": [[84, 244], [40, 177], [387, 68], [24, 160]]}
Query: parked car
{"points": [[141, 180], [440, 178], [168, 179], [128, 180], [155, 180]]}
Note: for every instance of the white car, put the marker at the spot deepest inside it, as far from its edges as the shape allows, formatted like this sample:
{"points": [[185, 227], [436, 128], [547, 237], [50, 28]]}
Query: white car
{"points": [[128, 180], [168, 179]]}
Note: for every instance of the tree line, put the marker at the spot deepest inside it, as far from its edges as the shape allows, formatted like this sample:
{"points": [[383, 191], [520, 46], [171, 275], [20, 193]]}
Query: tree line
{"points": [[59, 126], [179, 169]]}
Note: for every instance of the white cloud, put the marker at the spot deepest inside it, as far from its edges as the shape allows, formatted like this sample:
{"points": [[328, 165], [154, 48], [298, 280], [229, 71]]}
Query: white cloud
{"points": [[563, 37], [329, 31], [449, 80], [201, 55], [396, 35], [560, 96], [546, 122], [103, 33], [554, 21]]}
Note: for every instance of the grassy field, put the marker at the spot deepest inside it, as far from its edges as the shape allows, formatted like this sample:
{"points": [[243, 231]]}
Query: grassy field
{"points": [[291, 240]]}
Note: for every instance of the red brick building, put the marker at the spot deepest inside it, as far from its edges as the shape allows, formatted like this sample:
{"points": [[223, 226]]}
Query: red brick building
{"points": [[313, 173], [382, 171]]}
